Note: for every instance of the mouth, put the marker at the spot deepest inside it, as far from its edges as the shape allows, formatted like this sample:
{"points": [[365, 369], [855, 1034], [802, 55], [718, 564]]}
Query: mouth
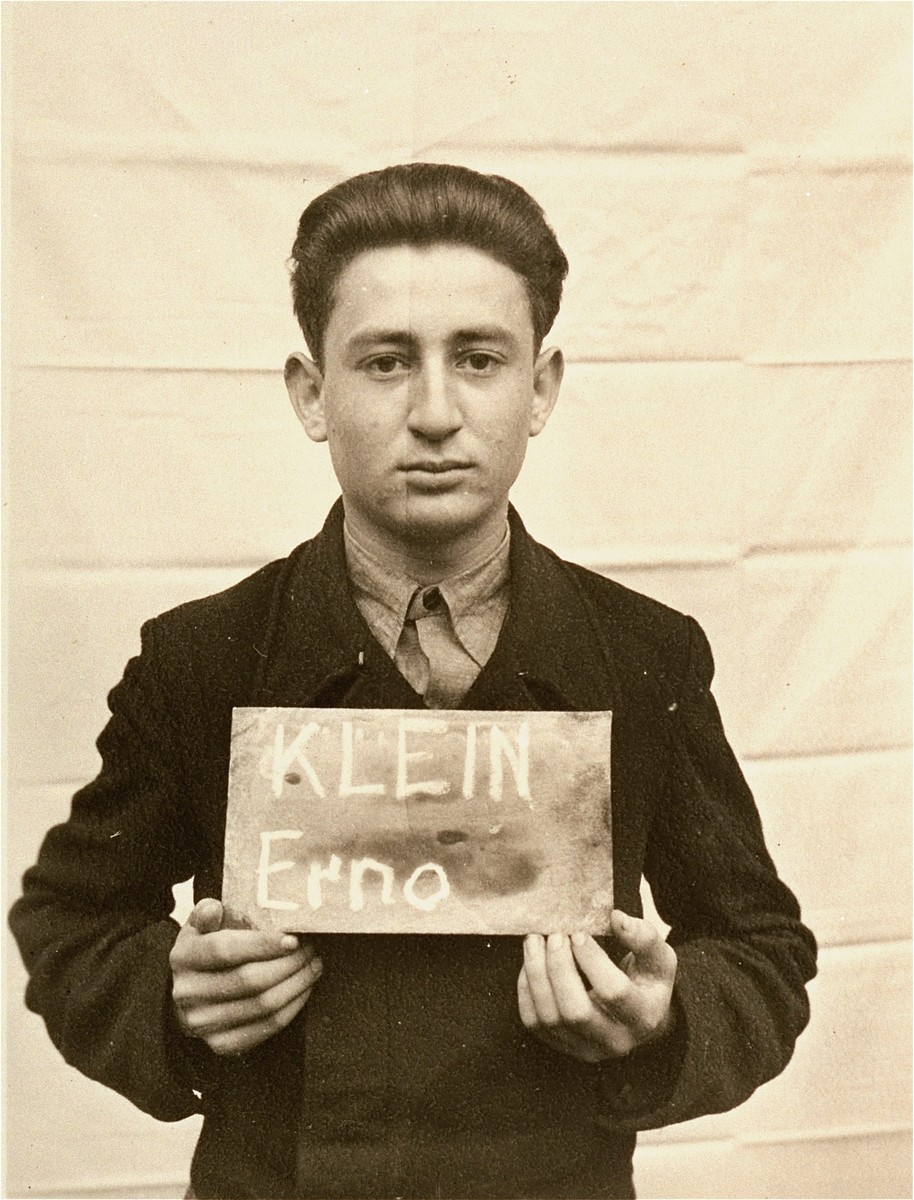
{"points": [[434, 476], [438, 466]]}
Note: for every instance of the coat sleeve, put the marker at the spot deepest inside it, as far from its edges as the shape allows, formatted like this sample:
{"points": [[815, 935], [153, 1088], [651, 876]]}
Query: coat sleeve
{"points": [[93, 922], [744, 955]]}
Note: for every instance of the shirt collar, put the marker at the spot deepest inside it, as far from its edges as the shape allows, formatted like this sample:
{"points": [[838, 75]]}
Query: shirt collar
{"points": [[468, 595], [559, 648]]}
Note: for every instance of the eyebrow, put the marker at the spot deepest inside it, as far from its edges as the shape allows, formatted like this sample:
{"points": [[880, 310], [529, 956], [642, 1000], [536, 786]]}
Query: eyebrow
{"points": [[367, 338], [374, 337], [485, 333]]}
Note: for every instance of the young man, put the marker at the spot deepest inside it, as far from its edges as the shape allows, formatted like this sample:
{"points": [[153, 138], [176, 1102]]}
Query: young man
{"points": [[415, 1066]]}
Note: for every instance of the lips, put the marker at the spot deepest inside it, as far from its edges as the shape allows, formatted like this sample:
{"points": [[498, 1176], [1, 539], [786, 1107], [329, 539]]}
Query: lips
{"points": [[437, 466]]}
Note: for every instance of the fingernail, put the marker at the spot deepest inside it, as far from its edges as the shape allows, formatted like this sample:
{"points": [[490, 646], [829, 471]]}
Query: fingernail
{"points": [[579, 938], [289, 942]]}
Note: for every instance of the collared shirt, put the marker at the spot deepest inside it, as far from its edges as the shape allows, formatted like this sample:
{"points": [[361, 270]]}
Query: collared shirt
{"points": [[439, 635]]}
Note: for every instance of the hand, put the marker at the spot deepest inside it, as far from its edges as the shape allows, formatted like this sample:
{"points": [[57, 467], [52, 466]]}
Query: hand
{"points": [[624, 1006], [234, 988]]}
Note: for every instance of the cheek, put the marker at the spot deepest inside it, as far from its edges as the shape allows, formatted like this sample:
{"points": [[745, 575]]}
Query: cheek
{"points": [[361, 448], [349, 448], [352, 425], [509, 427]]}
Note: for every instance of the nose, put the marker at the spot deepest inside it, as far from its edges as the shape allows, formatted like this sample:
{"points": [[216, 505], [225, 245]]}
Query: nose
{"points": [[434, 411]]}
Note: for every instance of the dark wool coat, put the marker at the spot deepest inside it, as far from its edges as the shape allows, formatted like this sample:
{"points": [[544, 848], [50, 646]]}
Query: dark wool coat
{"points": [[409, 1073]]}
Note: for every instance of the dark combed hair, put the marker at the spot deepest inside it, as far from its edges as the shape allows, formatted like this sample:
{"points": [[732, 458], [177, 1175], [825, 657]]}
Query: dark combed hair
{"points": [[422, 204]]}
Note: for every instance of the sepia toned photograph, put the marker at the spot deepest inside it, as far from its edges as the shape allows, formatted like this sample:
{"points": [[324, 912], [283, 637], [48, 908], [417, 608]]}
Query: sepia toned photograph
{"points": [[457, 600]]}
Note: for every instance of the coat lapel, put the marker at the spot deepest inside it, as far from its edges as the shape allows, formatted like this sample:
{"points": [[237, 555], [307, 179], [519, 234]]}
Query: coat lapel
{"points": [[319, 651], [551, 653]]}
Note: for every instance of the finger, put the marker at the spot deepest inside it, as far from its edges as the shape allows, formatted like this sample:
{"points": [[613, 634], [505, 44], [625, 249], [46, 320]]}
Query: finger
{"points": [[227, 948], [564, 1038], [239, 1041], [206, 916], [547, 1012], [192, 987], [215, 1018], [610, 985], [653, 955], [574, 1004], [631, 1004], [525, 1005], [589, 1030], [551, 1035]]}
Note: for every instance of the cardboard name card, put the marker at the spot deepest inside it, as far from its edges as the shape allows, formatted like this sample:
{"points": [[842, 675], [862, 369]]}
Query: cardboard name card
{"points": [[404, 821]]}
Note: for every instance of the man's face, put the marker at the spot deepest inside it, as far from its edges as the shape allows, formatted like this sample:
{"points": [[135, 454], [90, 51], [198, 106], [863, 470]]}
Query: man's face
{"points": [[429, 392]]}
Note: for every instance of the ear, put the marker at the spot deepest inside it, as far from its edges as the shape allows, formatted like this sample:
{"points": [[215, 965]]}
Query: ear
{"points": [[305, 386], [547, 379]]}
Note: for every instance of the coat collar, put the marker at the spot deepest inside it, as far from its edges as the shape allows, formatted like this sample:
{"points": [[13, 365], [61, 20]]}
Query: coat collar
{"points": [[551, 652]]}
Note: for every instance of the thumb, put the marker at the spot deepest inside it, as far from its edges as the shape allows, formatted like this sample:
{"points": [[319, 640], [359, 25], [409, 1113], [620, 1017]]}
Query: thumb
{"points": [[206, 916], [651, 952]]}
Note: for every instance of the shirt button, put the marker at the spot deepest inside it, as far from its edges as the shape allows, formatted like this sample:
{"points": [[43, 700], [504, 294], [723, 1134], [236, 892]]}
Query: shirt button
{"points": [[432, 598]]}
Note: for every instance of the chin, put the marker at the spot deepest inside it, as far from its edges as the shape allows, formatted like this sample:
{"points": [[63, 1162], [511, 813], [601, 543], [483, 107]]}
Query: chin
{"points": [[435, 523]]}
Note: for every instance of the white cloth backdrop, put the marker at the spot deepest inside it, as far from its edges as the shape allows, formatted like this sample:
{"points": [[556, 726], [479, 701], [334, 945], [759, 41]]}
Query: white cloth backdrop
{"points": [[731, 183]]}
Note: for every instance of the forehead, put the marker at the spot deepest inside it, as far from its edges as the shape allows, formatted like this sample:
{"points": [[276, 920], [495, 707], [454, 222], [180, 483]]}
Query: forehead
{"points": [[428, 289]]}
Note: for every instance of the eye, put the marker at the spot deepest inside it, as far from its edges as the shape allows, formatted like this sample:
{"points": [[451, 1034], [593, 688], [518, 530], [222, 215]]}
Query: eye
{"points": [[479, 362], [385, 366]]}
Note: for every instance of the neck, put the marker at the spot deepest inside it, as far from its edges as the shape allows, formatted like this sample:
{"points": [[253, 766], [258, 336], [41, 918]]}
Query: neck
{"points": [[429, 560]]}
